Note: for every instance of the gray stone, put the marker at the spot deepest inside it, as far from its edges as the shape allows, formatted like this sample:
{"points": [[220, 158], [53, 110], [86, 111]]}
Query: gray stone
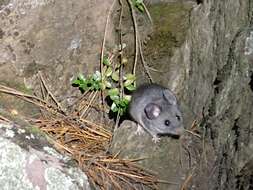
{"points": [[28, 162], [201, 51], [211, 72]]}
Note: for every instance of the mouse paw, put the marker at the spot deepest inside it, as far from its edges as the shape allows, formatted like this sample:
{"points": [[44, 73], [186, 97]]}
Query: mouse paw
{"points": [[156, 139], [139, 130]]}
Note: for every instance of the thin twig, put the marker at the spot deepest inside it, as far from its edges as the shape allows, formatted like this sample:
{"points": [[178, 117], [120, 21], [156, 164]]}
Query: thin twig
{"points": [[4, 119], [187, 180], [50, 93], [91, 102], [147, 12], [32, 99], [135, 34], [194, 134], [102, 50], [144, 63], [121, 64]]}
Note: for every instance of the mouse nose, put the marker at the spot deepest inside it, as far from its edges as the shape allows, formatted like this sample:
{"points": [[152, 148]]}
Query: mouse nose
{"points": [[179, 130], [178, 117]]}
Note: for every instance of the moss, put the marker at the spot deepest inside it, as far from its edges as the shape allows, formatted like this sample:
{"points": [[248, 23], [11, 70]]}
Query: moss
{"points": [[170, 25]]}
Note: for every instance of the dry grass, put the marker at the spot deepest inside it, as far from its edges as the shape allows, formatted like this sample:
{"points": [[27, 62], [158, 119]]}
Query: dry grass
{"points": [[85, 141]]}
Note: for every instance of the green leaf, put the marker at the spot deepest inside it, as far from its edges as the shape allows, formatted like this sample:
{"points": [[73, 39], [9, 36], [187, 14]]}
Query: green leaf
{"points": [[127, 83], [117, 65], [96, 86], [114, 107], [138, 4], [140, 8], [130, 76], [114, 98], [113, 92], [84, 86], [108, 71], [76, 82], [103, 86], [139, 1], [81, 77], [123, 103], [104, 70], [106, 61], [127, 97], [130, 87], [115, 75], [108, 84], [96, 76]]}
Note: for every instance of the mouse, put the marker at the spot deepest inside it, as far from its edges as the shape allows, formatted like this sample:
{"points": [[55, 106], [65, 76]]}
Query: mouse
{"points": [[155, 110]]}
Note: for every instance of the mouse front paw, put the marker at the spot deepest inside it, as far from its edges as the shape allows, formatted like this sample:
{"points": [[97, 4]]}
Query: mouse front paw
{"points": [[156, 139], [139, 130]]}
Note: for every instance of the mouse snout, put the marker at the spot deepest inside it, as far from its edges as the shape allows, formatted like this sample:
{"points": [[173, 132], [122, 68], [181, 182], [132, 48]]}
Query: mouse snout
{"points": [[179, 130]]}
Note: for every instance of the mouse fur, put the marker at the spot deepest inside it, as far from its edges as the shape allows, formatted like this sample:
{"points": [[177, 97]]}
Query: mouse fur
{"points": [[155, 109]]}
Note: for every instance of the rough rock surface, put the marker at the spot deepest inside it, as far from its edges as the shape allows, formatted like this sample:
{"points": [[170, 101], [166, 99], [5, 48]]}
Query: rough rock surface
{"points": [[212, 74], [29, 162], [208, 65], [59, 38], [163, 158]]}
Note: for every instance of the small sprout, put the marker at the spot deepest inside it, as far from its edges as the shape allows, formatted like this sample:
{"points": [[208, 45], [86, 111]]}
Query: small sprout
{"points": [[107, 80]]}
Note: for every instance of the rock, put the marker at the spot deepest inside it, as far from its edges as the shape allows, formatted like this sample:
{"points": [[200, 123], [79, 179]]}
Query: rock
{"points": [[28, 161], [208, 65], [211, 72], [158, 157], [167, 158], [59, 38]]}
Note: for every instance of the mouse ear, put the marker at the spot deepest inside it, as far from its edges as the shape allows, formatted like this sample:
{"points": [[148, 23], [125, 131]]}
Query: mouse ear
{"points": [[152, 111], [170, 97]]}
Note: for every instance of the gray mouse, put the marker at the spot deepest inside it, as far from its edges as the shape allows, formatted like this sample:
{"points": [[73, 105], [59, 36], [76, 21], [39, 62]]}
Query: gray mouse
{"points": [[155, 109]]}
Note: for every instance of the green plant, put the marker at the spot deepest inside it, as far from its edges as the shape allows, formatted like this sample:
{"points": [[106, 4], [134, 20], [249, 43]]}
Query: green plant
{"points": [[139, 5], [109, 81], [92, 82]]}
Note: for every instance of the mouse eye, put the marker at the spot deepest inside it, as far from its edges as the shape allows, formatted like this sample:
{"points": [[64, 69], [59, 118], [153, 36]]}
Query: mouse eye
{"points": [[167, 122], [178, 117]]}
